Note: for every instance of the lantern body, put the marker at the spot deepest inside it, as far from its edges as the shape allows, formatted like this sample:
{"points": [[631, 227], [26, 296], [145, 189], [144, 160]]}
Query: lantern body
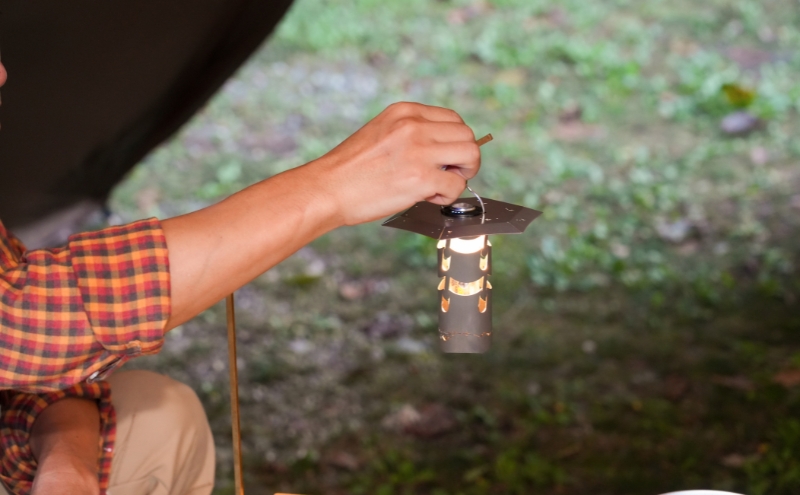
{"points": [[465, 295], [465, 262]]}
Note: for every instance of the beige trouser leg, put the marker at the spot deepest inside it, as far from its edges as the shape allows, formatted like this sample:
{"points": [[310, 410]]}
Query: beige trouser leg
{"points": [[164, 444]]}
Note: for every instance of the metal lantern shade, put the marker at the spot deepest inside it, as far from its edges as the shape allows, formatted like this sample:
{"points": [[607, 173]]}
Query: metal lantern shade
{"points": [[464, 262]]}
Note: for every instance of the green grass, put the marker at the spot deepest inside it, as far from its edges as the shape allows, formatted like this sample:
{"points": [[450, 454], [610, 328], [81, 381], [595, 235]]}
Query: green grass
{"points": [[666, 249]]}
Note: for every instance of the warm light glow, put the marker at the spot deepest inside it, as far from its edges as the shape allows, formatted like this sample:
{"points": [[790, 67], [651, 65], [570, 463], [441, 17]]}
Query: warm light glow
{"points": [[468, 245], [466, 288], [482, 305], [441, 244], [441, 283], [488, 285], [484, 264], [445, 263], [445, 304]]}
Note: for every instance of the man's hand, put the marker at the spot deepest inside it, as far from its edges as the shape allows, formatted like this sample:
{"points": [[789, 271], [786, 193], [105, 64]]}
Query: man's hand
{"points": [[65, 440], [408, 153], [397, 159]]}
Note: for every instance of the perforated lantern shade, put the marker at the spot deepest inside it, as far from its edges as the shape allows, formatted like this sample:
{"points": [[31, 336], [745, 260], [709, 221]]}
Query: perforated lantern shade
{"points": [[465, 294], [464, 263]]}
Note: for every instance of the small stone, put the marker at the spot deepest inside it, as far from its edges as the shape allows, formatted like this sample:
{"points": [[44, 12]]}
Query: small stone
{"points": [[675, 231], [621, 251], [589, 346], [300, 346], [740, 124]]}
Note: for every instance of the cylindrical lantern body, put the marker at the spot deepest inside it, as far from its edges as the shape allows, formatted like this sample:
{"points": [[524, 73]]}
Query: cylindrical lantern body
{"points": [[465, 295]]}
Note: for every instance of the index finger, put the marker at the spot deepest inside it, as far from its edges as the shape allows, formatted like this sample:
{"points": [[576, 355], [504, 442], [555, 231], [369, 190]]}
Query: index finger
{"points": [[427, 112]]}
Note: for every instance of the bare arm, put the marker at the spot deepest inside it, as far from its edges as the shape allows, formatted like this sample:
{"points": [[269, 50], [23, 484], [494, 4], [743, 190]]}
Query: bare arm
{"points": [[389, 164], [65, 440]]}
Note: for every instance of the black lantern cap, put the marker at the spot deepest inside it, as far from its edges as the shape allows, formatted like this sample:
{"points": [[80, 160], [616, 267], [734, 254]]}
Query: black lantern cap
{"points": [[440, 223]]}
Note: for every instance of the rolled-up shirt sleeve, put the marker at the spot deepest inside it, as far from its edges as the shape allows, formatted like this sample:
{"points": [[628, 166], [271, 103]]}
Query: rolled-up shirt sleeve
{"points": [[74, 313]]}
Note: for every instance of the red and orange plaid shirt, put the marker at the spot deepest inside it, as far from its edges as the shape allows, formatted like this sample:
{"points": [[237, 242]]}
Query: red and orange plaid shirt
{"points": [[68, 316]]}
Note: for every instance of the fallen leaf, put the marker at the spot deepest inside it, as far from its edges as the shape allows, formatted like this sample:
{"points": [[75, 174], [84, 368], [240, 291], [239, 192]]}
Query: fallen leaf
{"points": [[434, 420], [675, 387], [734, 460], [511, 77], [386, 325], [571, 113], [737, 95], [352, 290], [568, 451], [462, 15], [558, 17], [736, 382], [343, 460], [749, 58], [402, 418], [576, 131], [788, 378]]}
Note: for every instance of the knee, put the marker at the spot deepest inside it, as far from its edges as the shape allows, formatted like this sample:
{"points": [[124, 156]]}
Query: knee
{"points": [[175, 404]]}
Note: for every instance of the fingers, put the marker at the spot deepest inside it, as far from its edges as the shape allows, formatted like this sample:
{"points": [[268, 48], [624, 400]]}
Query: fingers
{"points": [[428, 112], [446, 132], [463, 158], [447, 187]]}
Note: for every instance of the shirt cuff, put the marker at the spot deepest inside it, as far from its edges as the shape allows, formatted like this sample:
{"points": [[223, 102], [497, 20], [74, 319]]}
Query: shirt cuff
{"points": [[123, 277]]}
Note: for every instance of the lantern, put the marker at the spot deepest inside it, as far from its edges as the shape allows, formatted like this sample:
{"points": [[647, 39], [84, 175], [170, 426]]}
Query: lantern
{"points": [[465, 262]]}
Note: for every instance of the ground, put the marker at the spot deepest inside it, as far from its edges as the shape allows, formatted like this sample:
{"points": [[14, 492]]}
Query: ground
{"points": [[647, 333]]}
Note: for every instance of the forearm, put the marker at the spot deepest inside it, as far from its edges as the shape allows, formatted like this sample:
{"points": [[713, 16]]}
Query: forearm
{"points": [[218, 249], [65, 441]]}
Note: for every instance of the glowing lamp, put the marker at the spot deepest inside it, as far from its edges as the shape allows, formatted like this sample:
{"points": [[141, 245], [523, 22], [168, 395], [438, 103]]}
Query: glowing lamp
{"points": [[465, 262]]}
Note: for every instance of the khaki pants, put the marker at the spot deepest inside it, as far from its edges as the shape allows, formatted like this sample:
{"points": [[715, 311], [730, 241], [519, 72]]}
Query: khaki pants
{"points": [[164, 444]]}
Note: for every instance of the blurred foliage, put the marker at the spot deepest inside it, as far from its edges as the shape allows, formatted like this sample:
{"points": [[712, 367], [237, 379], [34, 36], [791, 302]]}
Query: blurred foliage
{"points": [[656, 226]]}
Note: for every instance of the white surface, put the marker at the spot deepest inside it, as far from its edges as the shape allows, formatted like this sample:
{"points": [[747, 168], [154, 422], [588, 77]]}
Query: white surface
{"points": [[701, 492]]}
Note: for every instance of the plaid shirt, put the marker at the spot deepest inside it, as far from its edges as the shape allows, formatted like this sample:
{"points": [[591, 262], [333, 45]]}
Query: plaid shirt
{"points": [[68, 316]]}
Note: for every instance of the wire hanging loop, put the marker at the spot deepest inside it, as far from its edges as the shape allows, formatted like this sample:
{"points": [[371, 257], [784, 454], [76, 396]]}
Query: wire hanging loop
{"points": [[483, 208], [480, 142]]}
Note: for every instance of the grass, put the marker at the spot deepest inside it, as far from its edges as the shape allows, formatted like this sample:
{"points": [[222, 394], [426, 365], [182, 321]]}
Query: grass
{"points": [[641, 322]]}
